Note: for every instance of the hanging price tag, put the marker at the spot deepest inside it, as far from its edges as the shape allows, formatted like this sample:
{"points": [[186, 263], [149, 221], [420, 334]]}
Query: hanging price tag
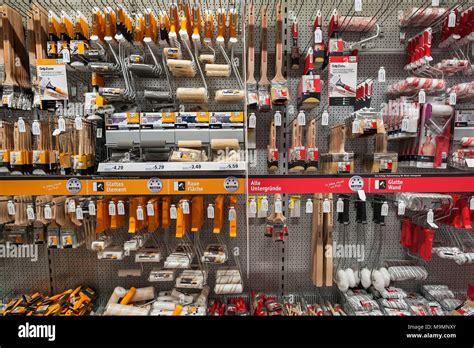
{"points": [[232, 214], [35, 128], [362, 196], [185, 206], [452, 98], [325, 118], [30, 213], [278, 206], [210, 211], [99, 133], [61, 124], [112, 209], [358, 5], [11, 208], [401, 208], [355, 127], [253, 206], [252, 121], [290, 110], [381, 75], [71, 206], [405, 124], [326, 206], [435, 3], [91, 208], [301, 119], [140, 215], [471, 204], [430, 219], [384, 210], [120, 208], [47, 212], [173, 212], [309, 206], [66, 55], [21, 125], [318, 35], [422, 97], [150, 210], [340, 206], [78, 123], [264, 205], [452, 20], [79, 213], [277, 118]]}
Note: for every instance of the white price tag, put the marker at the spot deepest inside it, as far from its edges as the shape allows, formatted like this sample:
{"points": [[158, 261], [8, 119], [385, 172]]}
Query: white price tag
{"points": [[452, 20], [401, 208], [185, 207], [326, 206], [173, 212], [325, 118], [384, 210], [232, 214], [91, 208], [403, 36], [435, 3], [30, 213], [47, 212], [309, 206], [355, 126], [112, 209], [471, 204], [99, 133], [278, 206], [11, 208], [66, 55], [79, 213], [264, 205], [405, 124], [318, 35], [62, 124], [253, 206], [430, 216], [277, 118], [290, 110], [150, 210], [140, 215], [301, 119], [21, 125], [340, 206], [381, 75], [71, 206], [78, 123], [362, 196], [452, 98], [358, 5], [120, 208], [35, 128], [422, 97], [210, 211], [252, 121]]}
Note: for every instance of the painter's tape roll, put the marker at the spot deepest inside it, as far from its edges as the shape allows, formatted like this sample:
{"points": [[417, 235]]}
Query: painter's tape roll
{"points": [[441, 110], [118, 293], [119, 309], [144, 294]]}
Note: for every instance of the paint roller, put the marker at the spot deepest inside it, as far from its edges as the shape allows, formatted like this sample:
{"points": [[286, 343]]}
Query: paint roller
{"points": [[144, 70], [126, 144], [122, 310], [223, 144]]}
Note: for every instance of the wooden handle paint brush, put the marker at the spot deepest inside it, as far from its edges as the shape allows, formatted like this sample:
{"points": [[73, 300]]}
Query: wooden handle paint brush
{"points": [[264, 99], [279, 91], [312, 152], [272, 151], [252, 96]]}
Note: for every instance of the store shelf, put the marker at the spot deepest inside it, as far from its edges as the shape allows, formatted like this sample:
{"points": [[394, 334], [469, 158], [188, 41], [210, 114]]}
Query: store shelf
{"points": [[158, 168]]}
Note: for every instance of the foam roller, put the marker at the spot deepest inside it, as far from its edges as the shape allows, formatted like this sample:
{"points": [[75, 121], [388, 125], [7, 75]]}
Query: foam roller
{"points": [[118, 293], [119, 310], [144, 294], [222, 289], [222, 144]]}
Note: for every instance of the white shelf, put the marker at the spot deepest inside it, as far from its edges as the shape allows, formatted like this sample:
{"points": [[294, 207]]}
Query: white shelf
{"points": [[159, 167]]}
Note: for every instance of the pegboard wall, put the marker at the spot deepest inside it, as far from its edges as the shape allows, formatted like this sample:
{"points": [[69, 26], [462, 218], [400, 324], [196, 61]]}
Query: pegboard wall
{"points": [[273, 267]]}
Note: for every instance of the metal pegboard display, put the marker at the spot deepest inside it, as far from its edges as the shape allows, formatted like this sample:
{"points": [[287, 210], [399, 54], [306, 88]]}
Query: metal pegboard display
{"points": [[81, 266]]}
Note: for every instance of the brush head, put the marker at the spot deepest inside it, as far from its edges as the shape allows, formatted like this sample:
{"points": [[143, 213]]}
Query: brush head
{"points": [[279, 93], [264, 99]]}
